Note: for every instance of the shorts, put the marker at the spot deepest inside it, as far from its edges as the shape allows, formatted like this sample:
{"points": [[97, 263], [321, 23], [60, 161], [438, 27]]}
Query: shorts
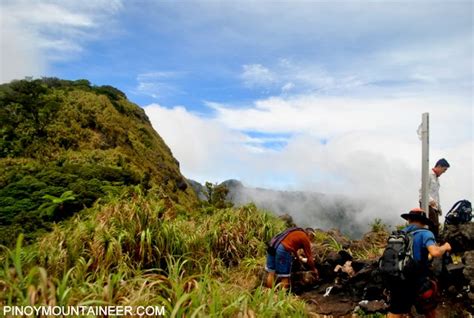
{"points": [[280, 262], [404, 296]]}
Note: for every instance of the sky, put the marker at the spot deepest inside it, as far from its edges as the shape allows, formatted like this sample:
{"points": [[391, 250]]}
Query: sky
{"points": [[322, 96]]}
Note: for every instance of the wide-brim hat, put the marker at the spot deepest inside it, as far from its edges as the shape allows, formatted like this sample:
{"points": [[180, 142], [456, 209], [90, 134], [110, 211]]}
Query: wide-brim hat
{"points": [[418, 214]]}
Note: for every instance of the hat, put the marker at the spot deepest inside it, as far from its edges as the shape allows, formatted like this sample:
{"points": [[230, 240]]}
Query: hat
{"points": [[417, 214]]}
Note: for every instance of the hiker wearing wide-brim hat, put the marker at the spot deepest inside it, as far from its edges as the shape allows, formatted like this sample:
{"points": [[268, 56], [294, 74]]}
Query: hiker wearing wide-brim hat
{"points": [[418, 214], [417, 290]]}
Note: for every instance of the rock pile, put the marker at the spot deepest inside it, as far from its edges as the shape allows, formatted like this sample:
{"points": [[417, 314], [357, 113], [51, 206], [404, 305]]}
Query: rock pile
{"points": [[460, 273], [350, 283]]}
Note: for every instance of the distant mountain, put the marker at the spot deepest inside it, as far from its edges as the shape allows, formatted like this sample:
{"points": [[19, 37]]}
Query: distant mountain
{"points": [[310, 209], [198, 189], [65, 144]]}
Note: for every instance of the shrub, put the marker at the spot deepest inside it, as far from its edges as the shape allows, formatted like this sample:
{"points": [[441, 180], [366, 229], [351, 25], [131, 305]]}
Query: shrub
{"points": [[378, 226]]}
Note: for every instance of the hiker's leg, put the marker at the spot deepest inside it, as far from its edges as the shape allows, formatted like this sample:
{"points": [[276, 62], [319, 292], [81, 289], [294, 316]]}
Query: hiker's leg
{"points": [[270, 268], [283, 261], [401, 299], [285, 282], [270, 279]]}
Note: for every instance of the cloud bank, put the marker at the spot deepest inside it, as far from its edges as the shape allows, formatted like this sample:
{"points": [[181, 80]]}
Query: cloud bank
{"points": [[366, 149]]}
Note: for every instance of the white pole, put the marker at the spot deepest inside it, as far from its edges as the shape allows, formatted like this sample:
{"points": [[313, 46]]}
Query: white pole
{"points": [[425, 160]]}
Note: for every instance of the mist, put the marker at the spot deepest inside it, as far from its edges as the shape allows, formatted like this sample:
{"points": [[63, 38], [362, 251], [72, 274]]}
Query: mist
{"points": [[366, 173], [308, 209]]}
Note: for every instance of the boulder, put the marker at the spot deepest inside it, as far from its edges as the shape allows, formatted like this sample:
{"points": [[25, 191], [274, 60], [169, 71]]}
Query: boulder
{"points": [[468, 271], [303, 281], [338, 258], [461, 237], [366, 283], [373, 306], [339, 237]]}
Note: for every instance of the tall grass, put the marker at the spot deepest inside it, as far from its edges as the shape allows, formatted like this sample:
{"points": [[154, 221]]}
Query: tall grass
{"points": [[143, 250]]}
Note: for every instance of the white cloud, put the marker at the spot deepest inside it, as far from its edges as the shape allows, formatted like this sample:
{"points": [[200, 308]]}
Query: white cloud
{"points": [[19, 56], [35, 34], [366, 149], [156, 89], [326, 117], [287, 75], [156, 84], [404, 70], [204, 147], [255, 75], [287, 87], [48, 14], [157, 75]]}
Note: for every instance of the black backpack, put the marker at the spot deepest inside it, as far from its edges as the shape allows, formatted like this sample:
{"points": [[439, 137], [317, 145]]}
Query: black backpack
{"points": [[397, 262], [460, 213], [276, 240]]}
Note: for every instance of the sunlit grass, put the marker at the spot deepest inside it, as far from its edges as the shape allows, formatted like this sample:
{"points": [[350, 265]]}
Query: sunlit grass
{"points": [[134, 251]]}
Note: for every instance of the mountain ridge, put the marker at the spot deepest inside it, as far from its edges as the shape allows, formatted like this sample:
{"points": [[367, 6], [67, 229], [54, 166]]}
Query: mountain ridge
{"points": [[60, 136]]}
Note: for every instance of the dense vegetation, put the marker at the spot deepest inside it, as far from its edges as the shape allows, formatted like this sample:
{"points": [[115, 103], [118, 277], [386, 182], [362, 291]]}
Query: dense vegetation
{"points": [[65, 144], [142, 249]]}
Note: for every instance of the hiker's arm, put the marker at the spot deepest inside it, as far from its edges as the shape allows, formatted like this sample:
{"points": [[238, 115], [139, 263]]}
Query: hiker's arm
{"points": [[438, 251], [431, 193], [308, 254]]}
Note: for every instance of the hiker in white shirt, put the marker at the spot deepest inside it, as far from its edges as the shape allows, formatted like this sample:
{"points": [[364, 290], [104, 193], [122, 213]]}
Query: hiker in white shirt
{"points": [[435, 209]]}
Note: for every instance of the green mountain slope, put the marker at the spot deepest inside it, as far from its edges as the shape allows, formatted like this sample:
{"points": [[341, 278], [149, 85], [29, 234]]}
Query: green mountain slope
{"points": [[132, 231], [65, 144]]}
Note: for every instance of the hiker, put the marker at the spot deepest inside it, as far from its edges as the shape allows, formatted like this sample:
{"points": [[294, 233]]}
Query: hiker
{"points": [[418, 289], [433, 195], [282, 248]]}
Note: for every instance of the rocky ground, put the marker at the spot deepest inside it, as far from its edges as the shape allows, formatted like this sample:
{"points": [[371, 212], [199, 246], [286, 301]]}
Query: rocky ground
{"points": [[350, 285]]}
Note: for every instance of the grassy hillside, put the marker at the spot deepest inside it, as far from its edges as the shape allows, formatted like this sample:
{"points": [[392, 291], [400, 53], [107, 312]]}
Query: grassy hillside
{"points": [[66, 144], [94, 211], [141, 249]]}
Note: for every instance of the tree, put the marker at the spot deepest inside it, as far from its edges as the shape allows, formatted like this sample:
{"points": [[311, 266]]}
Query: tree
{"points": [[217, 194]]}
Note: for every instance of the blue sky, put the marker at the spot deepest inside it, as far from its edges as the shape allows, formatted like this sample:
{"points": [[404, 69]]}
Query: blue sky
{"points": [[321, 96]]}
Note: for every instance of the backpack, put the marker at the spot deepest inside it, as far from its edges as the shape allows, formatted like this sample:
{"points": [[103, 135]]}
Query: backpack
{"points": [[397, 262], [460, 213], [276, 240]]}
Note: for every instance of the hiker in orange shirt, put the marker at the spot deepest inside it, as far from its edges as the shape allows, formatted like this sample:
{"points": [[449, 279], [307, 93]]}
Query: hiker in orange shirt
{"points": [[281, 251]]}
